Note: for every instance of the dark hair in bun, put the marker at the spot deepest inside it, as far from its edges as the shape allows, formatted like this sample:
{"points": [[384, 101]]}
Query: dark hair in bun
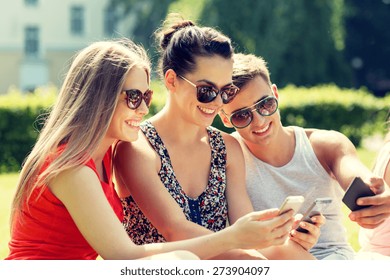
{"points": [[181, 41]]}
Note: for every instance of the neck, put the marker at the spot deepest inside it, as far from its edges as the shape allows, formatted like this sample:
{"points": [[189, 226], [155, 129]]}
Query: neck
{"points": [[99, 153], [175, 129]]}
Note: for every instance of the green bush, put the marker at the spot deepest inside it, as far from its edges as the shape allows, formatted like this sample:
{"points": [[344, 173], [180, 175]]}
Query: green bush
{"points": [[19, 124], [356, 113]]}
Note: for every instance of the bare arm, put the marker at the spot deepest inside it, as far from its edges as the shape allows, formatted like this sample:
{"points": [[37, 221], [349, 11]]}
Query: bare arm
{"points": [[142, 180], [137, 169], [338, 155], [82, 195]]}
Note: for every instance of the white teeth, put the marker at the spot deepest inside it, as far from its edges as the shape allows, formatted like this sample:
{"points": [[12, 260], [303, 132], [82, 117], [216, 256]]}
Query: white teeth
{"points": [[133, 123], [207, 111], [262, 130]]}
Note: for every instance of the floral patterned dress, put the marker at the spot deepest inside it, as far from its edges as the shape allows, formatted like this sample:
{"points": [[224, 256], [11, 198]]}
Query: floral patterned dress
{"points": [[209, 209]]}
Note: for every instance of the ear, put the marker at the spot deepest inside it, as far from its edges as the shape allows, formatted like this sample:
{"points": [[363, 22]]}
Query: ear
{"points": [[274, 89], [170, 80], [225, 120]]}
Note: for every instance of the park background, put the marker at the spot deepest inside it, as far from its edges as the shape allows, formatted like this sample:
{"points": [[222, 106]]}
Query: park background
{"points": [[330, 60]]}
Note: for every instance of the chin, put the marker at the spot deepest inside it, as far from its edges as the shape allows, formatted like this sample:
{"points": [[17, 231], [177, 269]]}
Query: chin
{"points": [[130, 137]]}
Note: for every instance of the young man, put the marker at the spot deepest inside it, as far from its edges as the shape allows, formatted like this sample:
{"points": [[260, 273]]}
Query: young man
{"points": [[282, 161]]}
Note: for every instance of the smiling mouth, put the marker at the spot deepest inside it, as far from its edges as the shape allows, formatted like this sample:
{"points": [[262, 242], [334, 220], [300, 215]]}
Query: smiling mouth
{"points": [[262, 130], [206, 110], [133, 123]]}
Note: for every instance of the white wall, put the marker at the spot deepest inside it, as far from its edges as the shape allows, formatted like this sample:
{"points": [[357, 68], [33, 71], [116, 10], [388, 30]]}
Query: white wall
{"points": [[52, 17]]}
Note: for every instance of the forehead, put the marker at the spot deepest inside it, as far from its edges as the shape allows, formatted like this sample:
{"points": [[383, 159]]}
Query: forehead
{"points": [[249, 94], [137, 78], [216, 69]]}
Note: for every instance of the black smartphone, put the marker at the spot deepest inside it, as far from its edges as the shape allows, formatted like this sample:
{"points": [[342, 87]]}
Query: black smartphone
{"points": [[356, 189], [316, 208]]}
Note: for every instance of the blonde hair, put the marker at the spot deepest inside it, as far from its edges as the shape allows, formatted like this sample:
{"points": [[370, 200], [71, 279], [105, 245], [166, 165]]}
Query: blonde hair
{"points": [[246, 67], [82, 113]]}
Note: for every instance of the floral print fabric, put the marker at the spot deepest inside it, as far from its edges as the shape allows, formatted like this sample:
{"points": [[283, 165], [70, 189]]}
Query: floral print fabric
{"points": [[209, 209]]}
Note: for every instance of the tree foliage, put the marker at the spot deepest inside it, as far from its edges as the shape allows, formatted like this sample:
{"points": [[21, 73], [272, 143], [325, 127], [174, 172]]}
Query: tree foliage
{"points": [[368, 43], [147, 17], [300, 39], [306, 42]]}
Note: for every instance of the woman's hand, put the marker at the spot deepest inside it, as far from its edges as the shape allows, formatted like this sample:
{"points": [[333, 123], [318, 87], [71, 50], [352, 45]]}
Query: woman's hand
{"points": [[262, 229]]}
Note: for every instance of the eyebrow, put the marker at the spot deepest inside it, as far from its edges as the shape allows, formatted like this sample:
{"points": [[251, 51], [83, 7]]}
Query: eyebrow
{"points": [[247, 107], [213, 84]]}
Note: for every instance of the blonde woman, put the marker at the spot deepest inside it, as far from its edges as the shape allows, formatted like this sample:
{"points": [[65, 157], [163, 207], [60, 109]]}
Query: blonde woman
{"points": [[65, 205]]}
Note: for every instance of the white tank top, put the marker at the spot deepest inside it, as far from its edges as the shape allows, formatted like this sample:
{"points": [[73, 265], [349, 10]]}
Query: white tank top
{"points": [[378, 239], [268, 186]]}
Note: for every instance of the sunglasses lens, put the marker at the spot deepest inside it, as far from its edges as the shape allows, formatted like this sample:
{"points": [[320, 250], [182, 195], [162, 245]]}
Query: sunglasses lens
{"points": [[206, 94], [241, 119], [267, 106], [134, 98], [229, 93], [148, 97]]}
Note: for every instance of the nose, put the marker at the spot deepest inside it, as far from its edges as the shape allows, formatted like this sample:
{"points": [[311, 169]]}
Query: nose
{"points": [[218, 100], [257, 118], [142, 109]]}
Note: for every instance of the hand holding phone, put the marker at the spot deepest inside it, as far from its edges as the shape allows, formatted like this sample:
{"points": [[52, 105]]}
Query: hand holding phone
{"points": [[316, 208], [291, 202], [356, 189]]}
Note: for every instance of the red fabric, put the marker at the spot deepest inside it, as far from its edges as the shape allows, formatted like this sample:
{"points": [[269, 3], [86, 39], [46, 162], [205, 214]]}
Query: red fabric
{"points": [[47, 231]]}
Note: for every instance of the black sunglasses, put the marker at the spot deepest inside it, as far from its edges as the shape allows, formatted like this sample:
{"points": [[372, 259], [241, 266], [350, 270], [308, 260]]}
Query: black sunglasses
{"points": [[243, 117], [134, 98], [206, 94]]}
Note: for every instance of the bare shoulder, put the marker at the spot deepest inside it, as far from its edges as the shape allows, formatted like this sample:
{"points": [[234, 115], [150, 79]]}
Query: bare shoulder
{"points": [[77, 178], [131, 152], [330, 146], [234, 152], [231, 142], [327, 139]]}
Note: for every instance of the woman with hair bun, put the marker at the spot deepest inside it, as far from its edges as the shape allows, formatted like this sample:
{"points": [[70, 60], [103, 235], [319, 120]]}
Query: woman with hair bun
{"points": [[183, 178]]}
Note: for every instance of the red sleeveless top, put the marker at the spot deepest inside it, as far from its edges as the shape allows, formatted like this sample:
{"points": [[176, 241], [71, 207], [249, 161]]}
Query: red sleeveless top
{"points": [[47, 231]]}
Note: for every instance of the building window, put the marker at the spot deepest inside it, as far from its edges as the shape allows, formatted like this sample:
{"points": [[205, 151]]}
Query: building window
{"points": [[77, 20], [31, 2], [110, 21], [31, 41]]}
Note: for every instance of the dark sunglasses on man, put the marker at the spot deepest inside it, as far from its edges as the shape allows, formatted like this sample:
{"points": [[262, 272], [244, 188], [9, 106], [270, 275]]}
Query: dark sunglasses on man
{"points": [[243, 117], [206, 94]]}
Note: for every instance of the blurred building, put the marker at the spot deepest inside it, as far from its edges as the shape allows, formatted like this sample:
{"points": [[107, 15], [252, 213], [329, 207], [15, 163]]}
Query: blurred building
{"points": [[38, 38]]}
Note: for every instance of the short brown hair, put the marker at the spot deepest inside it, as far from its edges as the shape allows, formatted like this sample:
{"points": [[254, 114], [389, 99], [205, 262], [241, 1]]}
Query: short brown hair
{"points": [[246, 67]]}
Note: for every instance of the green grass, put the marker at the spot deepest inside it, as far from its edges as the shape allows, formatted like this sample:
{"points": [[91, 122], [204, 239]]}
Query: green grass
{"points": [[7, 189]]}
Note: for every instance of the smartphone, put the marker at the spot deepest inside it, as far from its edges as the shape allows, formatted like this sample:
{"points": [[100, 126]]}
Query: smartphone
{"points": [[291, 202], [316, 208], [356, 189]]}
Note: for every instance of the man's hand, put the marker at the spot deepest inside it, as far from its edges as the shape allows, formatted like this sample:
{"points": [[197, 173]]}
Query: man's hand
{"points": [[309, 239], [379, 209]]}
